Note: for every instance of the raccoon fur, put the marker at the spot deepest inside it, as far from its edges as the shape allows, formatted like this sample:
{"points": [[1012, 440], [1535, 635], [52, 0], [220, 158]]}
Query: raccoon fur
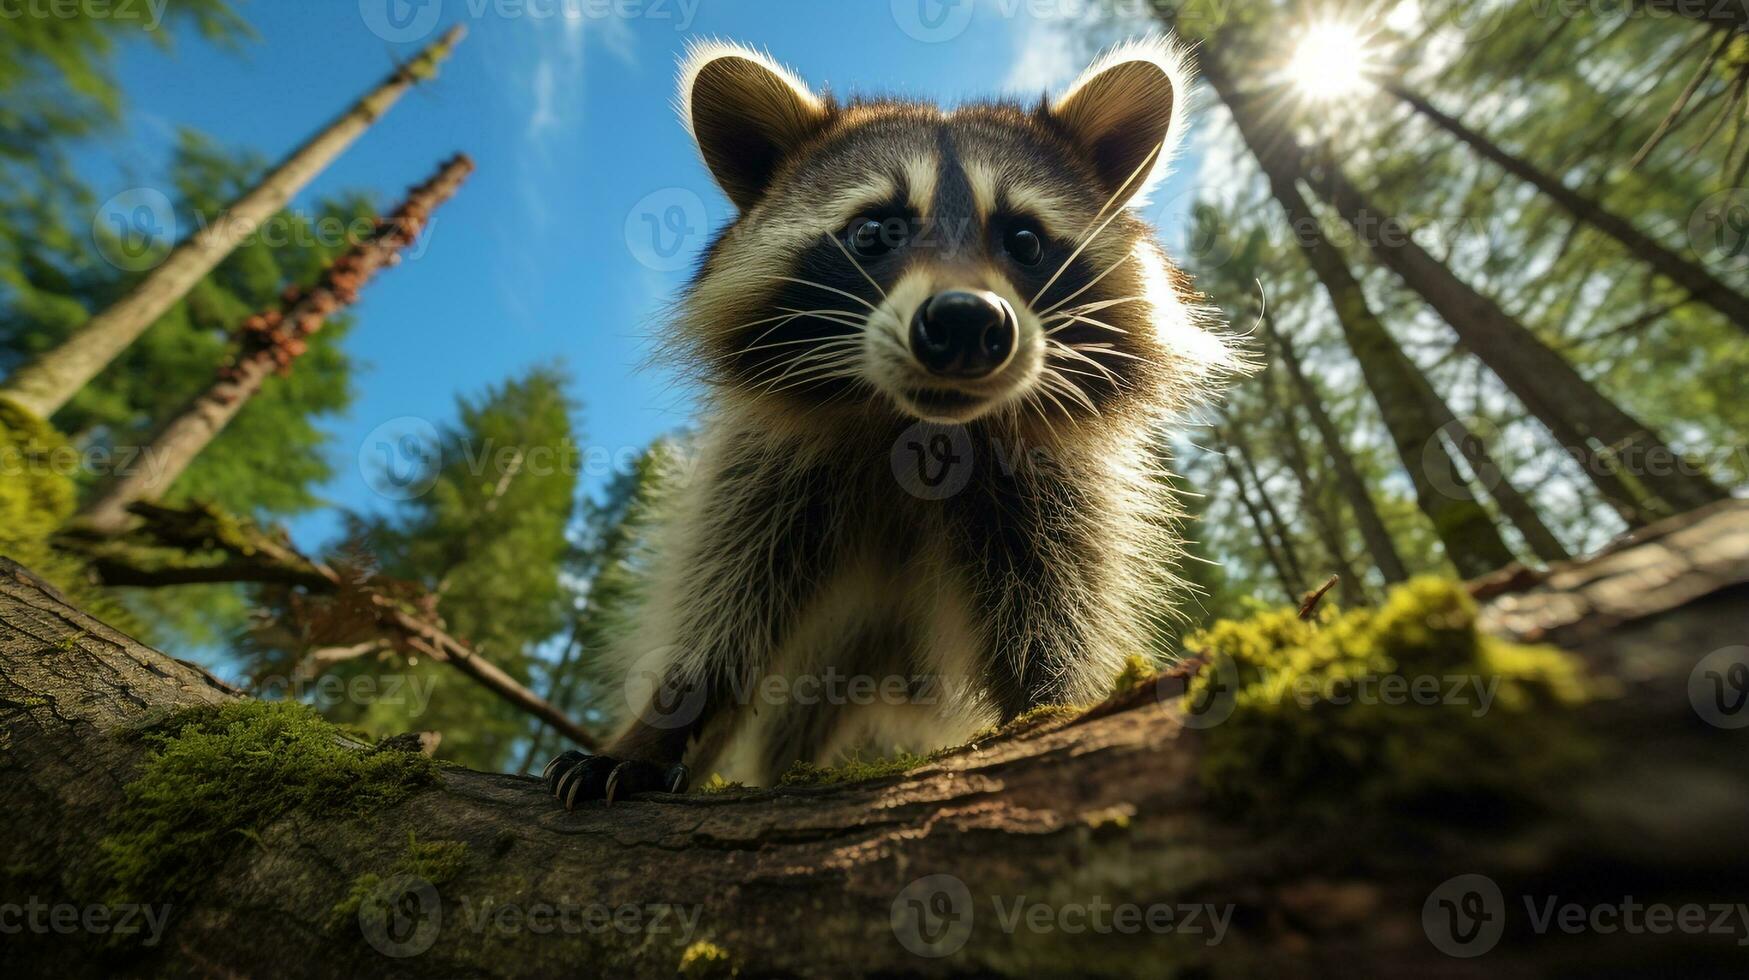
{"points": [[937, 347]]}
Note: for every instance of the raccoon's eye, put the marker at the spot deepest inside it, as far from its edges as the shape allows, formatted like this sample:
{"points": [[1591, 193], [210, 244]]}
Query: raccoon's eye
{"points": [[872, 238], [1023, 245]]}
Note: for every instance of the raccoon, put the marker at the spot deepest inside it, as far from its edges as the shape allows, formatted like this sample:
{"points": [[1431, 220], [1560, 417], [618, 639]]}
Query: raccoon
{"points": [[937, 348]]}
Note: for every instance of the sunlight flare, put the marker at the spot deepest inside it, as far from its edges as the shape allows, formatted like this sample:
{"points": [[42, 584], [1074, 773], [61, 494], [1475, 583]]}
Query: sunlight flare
{"points": [[1333, 59]]}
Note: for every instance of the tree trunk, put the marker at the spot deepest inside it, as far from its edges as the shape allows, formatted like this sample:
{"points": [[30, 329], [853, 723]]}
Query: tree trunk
{"points": [[1241, 448], [1471, 540], [1629, 462], [271, 341], [1354, 591], [920, 874], [1513, 505], [1379, 543], [1289, 577], [1692, 276], [51, 380]]}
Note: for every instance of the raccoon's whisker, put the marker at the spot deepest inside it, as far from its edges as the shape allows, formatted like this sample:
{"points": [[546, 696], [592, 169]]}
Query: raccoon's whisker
{"points": [[858, 265], [808, 363], [830, 342], [1052, 379], [824, 372], [1147, 162], [1059, 347], [802, 358], [1087, 320], [844, 317], [1093, 307], [1105, 349], [1046, 391], [829, 289], [1095, 281]]}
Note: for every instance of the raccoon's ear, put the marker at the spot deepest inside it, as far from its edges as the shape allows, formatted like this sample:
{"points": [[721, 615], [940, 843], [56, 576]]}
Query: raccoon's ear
{"points": [[1125, 113], [747, 113]]}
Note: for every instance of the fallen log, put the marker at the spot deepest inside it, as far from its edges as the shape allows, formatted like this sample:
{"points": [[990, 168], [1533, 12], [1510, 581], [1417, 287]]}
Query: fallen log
{"points": [[1073, 843]]}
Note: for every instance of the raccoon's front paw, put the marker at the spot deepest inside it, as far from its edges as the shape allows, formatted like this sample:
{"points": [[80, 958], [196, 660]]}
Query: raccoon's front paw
{"points": [[575, 778]]}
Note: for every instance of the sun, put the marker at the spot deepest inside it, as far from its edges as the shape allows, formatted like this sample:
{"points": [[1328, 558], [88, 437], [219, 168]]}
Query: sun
{"points": [[1332, 60]]}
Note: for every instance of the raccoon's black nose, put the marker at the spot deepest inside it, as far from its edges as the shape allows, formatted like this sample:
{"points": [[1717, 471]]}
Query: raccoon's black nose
{"points": [[963, 334]]}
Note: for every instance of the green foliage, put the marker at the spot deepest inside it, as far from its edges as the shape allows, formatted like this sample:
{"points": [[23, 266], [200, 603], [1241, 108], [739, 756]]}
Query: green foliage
{"points": [[217, 776], [1368, 708], [489, 540], [55, 80], [36, 496]]}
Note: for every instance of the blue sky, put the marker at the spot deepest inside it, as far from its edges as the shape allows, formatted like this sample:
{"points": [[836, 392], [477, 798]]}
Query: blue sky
{"points": [[588, 203]]}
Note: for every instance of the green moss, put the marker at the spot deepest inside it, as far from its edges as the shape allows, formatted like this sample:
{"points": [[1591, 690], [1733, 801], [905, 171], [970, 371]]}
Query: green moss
{"points": [[853, 771], [217, 776], [436, 862], [37, 496], [1137, 671], [717, 784], [704, 960], [1403, 703]]}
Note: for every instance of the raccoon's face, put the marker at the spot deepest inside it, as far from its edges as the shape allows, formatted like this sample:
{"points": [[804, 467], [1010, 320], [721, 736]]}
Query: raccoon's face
{"points": [[944, 264]]}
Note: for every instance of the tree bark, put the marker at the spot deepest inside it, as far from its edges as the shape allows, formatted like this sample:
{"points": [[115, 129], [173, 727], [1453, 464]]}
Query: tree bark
{"points": [[1240, 446], [1089, 812], [1471, 540], [1379, 542], [1641, 476], [271, 342], [1354, 591], [1692, 276], [51, 380], [1513, 504], [1289, 577]]}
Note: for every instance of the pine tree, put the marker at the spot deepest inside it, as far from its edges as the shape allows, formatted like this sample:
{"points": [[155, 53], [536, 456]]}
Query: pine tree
{"points": [[49, 381], [270, 342]]}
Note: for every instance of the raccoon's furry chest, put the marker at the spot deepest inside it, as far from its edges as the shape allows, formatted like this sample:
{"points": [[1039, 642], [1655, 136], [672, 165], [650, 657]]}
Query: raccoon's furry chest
{"points": [[855, 596]]}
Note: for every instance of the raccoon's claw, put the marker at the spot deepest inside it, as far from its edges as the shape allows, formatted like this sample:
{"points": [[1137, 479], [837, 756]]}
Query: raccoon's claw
{"points": [[575, 778]]}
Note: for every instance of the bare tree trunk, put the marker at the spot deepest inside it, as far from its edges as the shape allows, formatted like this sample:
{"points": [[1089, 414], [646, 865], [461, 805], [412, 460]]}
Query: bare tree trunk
{"points": [[1354, 591], [1379, 543], [43, 385], [918, 874], [270, 342], [1241, 447], [1629, 462], [1700, 283], [1513, 504], [1289, 577], [1471, 540]]}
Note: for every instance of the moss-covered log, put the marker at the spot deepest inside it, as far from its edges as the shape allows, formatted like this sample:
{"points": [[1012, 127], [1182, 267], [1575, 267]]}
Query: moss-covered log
{"points": [[241, 838]]}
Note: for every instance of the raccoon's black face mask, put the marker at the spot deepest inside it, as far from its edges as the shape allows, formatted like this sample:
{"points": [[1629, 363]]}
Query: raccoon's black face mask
{"points": [[946, 265]]}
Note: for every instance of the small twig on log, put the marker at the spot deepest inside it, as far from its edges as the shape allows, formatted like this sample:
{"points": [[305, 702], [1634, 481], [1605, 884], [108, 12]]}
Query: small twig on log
{"points": [[1309, 604]]}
